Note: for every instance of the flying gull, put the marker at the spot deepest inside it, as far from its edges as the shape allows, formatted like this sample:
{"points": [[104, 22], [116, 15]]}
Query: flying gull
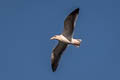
{"points": [[65, 38]]}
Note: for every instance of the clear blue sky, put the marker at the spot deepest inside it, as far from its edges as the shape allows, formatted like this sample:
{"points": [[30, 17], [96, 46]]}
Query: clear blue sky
{"points": [[27, 25]]}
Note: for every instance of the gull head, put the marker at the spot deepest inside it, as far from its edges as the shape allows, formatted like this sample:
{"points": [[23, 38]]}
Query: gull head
{"points": [[56, 37]]}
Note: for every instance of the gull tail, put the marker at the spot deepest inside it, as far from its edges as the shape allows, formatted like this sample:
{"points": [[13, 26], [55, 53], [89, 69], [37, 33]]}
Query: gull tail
{"points": [[77, 42]]}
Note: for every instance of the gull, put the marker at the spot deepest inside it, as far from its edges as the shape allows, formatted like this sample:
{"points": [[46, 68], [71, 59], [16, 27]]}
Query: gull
{"points": [[65, 39]]}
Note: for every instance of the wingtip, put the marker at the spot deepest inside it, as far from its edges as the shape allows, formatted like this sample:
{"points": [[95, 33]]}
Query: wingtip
{"points": [[54, 67], [77, 10], [53, 70]]}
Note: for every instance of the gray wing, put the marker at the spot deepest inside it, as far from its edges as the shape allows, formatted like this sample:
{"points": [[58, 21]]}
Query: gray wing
{"points": [[69, 23], [56, 55]]}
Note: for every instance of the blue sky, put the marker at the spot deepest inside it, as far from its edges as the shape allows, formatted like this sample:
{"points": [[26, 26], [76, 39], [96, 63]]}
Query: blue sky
{"points": [[25, 46]]}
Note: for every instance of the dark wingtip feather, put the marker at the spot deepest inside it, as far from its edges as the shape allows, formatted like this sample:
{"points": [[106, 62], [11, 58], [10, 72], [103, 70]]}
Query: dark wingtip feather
{"points": [[75, 11], [54, 67]]}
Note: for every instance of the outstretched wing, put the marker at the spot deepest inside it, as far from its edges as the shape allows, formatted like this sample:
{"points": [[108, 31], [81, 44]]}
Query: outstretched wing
{"points": [[69, 23], [56, 54]]}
